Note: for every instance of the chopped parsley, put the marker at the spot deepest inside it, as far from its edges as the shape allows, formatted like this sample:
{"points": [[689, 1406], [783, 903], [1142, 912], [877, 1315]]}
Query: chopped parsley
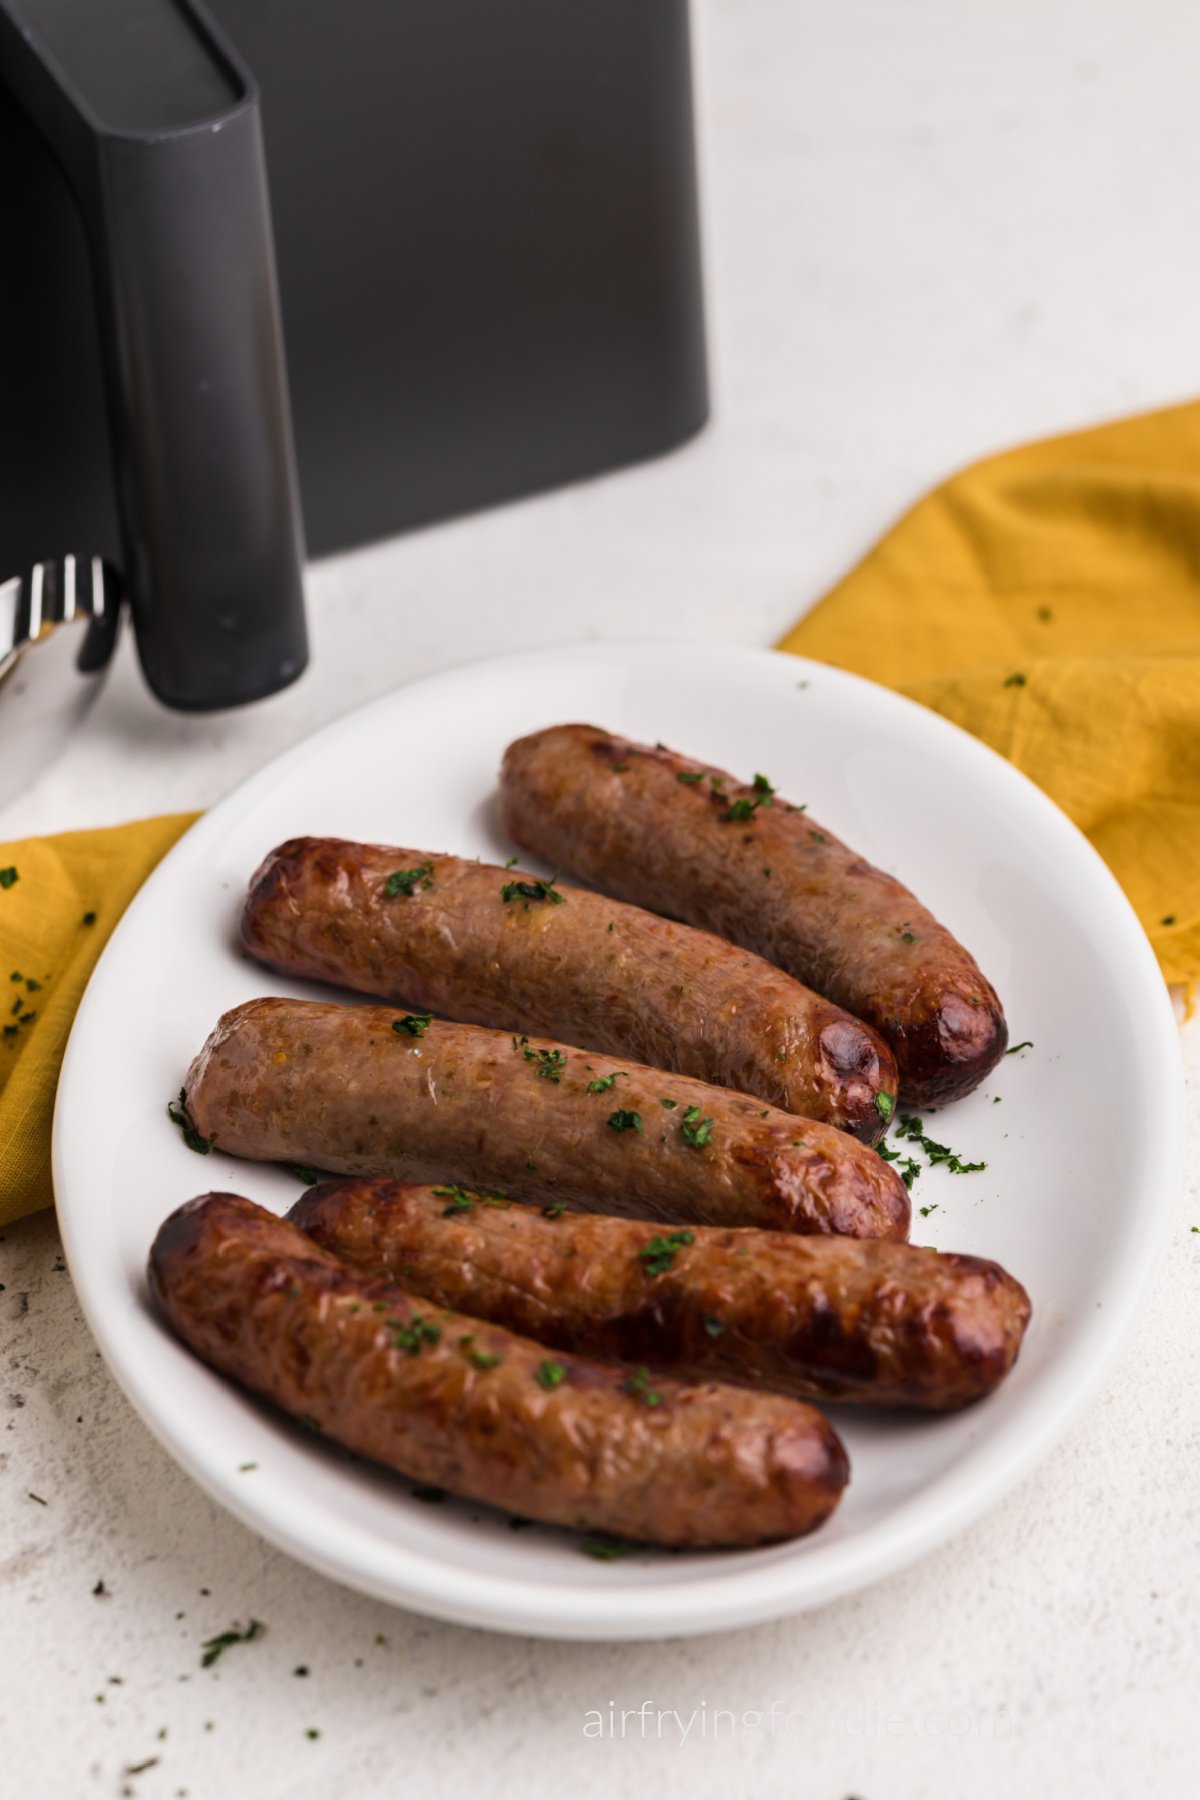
{"points": [[1027, 1045], [303, 1173], [178, 1115], [550, 1063], [624, 1120], [460, 1201], [747, 805], [89, 918], [659, 1254], [695, 1131], [604, 1547], [550, 1375], [818, 837], [669, 1104], [690, 777], [216, 1646], [413, 1024], [533, 890], [713, 1327], [511, 863], [479, 1359], [554, 1212], [1168, 919], [926, 1210], [885, 1105], [8, 877], [911, 1127], [407, 881], [1017, 680], [412, 1334], [638, 1386], [604, 1084], [907, 1166], [906, 937]]}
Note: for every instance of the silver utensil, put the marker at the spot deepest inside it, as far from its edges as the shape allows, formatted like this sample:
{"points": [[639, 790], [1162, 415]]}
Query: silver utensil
{"points": [[58, 626]]}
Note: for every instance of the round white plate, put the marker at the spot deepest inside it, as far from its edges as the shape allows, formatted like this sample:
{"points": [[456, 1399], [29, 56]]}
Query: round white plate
{"points": [[1081, 1133]]}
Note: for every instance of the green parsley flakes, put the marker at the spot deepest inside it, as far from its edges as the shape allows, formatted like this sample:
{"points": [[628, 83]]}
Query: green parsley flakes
{"points": [[178, 1115], [533, 890], [407, 881], [638, 1387], [550, 1375], [413, 1024], [624, 1120], [412, 1334], [8, 877], [695, 1131], [885, 1105], [658, 1255]]}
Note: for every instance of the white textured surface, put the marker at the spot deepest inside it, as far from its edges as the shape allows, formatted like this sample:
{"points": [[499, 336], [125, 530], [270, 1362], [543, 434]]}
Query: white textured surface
{"points": [[931, 230]]}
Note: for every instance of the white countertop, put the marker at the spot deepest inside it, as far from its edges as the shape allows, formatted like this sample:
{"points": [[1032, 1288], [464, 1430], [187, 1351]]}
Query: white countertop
{"points": [[931, 230]]}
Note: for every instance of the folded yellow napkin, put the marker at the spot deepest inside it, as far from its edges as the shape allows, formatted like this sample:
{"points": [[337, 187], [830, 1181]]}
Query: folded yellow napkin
{"points": [[60, 898], [1048, 600]]}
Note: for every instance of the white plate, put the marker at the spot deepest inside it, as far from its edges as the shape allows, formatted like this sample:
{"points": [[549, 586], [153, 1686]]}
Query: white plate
{"points": [[1083, 1147]]}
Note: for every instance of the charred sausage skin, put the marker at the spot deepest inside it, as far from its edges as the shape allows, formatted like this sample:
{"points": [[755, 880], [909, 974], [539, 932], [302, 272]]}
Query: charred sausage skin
{"points": [[479, 1411], [662, 831], [823, 1318], [435, 931], [340, 1088]]}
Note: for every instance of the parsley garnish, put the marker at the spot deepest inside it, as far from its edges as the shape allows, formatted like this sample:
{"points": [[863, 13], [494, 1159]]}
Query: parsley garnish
{"points": [[89, 918], [1027, 1045], [479, 1359], [818, 837], [911, 1127], [713, 1327], [550, 1374], [604, 1084], [908, 1168], [413, 1333], [551, 1063], [885, 1105], [554, 1212], [638, 1385], [695, 1131], [669, 1104], [658, 1255], [906, 937], [624, 1120], [406, 881], [8, 877], [1017, 680], [178, 1115], [414, 1024], [604, 1547], [533, 890], [748, 805], [303, 1173], [689, 779], [461, 1201], [224, 1640]]}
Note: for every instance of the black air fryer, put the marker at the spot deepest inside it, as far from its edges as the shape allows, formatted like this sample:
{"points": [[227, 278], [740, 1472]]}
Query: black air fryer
{"points": [[477, 275]]}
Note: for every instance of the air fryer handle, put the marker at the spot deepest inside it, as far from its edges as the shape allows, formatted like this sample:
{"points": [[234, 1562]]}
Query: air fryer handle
{"points": [[156, 124]]}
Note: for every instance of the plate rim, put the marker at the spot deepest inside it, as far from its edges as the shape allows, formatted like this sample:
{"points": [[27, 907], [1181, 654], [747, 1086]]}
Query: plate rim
{"points": [[732, 1599]]}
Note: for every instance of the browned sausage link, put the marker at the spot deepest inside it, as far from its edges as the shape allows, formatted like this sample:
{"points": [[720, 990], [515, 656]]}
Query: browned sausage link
{"points": [[340, 1088], [826, 1318], [665, 832], [479, 1411], [437, 932]]}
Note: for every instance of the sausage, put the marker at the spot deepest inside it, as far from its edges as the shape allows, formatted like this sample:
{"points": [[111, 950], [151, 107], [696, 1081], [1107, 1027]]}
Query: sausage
{"points": [[823, 1318], [682, 838], [438, 932], [479, 1411], [342, 1089]]}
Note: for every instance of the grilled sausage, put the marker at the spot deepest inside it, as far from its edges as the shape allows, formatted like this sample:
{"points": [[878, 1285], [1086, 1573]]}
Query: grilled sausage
{"points": [[685, 839], [824, 1318], [341, 1088], [493, 948], [480, 1411]]}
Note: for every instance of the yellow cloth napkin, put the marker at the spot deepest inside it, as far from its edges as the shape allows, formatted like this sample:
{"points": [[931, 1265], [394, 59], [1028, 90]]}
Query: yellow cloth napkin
{"points": [[60, 898], [1048, 600]]}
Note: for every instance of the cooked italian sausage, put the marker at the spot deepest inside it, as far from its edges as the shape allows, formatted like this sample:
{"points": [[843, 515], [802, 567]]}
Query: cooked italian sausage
{"points": [[823, 1318], [361, 1090], [479, 1411], [491, 947], [682, 838]]}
